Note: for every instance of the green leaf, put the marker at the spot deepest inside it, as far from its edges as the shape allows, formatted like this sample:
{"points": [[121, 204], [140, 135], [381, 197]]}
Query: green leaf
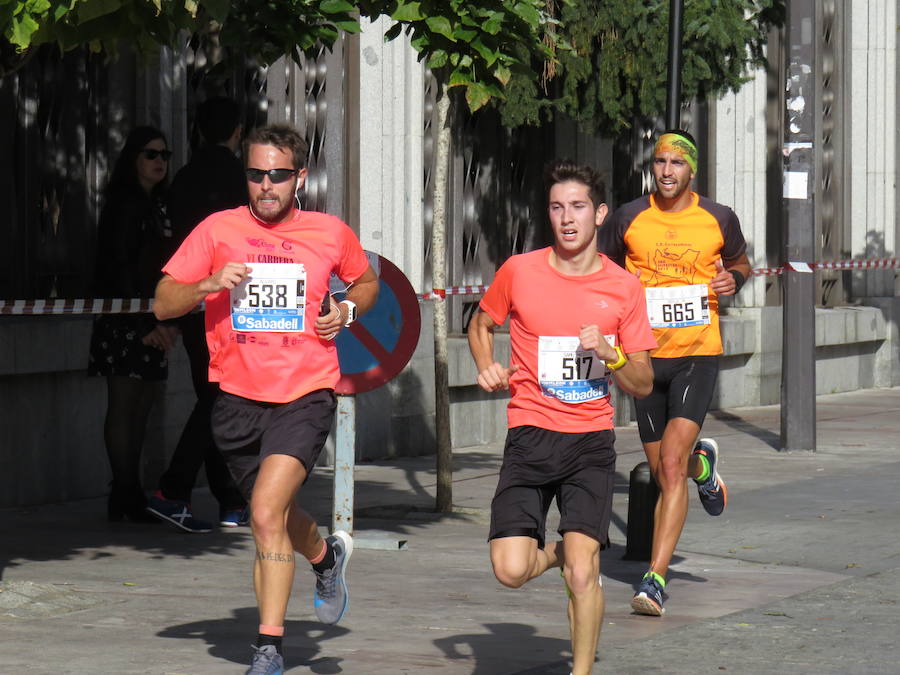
{"points": [[437, 60], [349, 26], [441, 25], [527, 12], [477, 96], [464, 34], [503, 74], [20, 31], [36, 6], [494, 24], [90, 11], [459, 77], [486, 53], [393, 32], [327, 35], [408, 11], [335, 7], [59, 12]]}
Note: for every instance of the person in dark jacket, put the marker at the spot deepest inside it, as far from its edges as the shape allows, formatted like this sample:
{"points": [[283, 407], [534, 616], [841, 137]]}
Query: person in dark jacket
{"points": [[129, 350], [212, 181]]}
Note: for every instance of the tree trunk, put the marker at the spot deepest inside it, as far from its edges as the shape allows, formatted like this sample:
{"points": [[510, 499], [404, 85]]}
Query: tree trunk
{"points": [[444, 499]]}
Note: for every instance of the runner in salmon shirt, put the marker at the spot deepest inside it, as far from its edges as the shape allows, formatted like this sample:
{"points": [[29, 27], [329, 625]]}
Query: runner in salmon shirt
{"points": [[263, 271], [576, 320]]}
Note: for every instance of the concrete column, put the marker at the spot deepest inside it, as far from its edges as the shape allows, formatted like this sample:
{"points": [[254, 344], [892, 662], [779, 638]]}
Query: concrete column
{"points": [[388, 149], [872, 110], [740, 172], [739, 139]]}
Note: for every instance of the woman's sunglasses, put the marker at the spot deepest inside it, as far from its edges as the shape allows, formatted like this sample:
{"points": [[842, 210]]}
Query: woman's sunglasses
{"points": [[153, 153], [275, 175]]}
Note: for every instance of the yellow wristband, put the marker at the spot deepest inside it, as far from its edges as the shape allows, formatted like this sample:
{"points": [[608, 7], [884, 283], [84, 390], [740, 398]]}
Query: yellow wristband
{"points": [[622, 359]]}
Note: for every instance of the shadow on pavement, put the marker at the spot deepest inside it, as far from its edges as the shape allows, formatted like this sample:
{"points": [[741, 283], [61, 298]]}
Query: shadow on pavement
{"points": [[486, 650], [79, 529], [227, 640], [741, 425]]}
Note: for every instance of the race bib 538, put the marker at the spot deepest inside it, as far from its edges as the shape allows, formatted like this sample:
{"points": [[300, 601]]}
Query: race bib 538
{"points": [[271, 299]]}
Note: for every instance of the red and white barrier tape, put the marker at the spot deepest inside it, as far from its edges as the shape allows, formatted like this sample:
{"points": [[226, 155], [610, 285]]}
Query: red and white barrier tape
{"points": [[453, 290], [871, 264], [766, 271], [874, 263], [78, 306], [141, 306]]}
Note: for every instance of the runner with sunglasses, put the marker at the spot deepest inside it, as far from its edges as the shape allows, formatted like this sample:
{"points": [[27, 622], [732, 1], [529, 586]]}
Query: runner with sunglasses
{"points": [[263, 271]]}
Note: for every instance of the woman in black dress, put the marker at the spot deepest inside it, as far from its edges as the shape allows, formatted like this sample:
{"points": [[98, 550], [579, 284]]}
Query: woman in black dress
{"points": [[134, 241]]}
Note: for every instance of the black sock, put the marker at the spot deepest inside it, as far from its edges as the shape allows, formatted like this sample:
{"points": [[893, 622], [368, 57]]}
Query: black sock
{"points": [[263, 640], [327, 562]]}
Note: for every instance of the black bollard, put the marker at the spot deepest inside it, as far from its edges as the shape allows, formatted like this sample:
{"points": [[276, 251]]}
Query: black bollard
{"points": [[642, 495]]}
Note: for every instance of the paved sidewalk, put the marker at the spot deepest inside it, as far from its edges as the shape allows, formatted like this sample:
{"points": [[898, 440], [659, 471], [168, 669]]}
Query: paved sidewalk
{"points": [[801, 574]]}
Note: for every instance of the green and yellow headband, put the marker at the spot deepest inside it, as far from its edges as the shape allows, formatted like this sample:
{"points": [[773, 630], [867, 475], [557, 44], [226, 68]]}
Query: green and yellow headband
{"points": [[678, 144]]}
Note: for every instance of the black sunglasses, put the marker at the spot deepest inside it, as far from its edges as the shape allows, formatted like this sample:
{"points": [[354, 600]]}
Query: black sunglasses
{"points": [[152, 153], [275, 175]]}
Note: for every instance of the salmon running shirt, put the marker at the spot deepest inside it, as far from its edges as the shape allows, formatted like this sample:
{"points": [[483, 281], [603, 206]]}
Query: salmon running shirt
{"points": [[261, 335], [675, 255], [559, 386]]}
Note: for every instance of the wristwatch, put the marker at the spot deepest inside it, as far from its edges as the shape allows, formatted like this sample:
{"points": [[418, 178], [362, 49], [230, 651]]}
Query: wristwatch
{"points": [[621, 361], [351, 311]]}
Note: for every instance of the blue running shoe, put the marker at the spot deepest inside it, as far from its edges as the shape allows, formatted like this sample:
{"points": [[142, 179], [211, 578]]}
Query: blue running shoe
{"points": [[178, 513], [712, 491], [649, 597], [266, 661], [234, 517], [331, 598]]}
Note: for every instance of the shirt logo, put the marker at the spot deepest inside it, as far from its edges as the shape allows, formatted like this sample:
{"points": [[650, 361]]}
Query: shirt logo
{"points": [[259, 243]]}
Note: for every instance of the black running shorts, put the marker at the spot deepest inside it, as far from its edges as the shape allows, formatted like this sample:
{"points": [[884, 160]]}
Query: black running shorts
{"points": [[538, 465], [247, 431], [682, 387]]}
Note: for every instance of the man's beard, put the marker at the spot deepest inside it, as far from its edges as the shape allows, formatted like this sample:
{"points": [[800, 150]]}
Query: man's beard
{"points": [[270, 219]]}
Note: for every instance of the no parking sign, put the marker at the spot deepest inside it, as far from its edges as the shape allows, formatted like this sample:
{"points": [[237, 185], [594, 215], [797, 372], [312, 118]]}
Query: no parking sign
{"points": [[371, 351], [377, 346]]}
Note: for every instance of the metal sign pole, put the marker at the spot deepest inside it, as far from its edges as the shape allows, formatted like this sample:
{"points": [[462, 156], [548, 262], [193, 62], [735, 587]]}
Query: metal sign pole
{"points": [[371, 351], [798, 372], [673, 92], [344, 459]]}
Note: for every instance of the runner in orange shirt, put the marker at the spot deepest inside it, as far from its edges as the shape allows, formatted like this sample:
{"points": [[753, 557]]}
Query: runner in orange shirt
{"points": [[574, 317], [263, 271], [687, 250]]}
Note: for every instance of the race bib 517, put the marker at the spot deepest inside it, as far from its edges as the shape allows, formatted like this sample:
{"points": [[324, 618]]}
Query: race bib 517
{"points": [[569, 373]]}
